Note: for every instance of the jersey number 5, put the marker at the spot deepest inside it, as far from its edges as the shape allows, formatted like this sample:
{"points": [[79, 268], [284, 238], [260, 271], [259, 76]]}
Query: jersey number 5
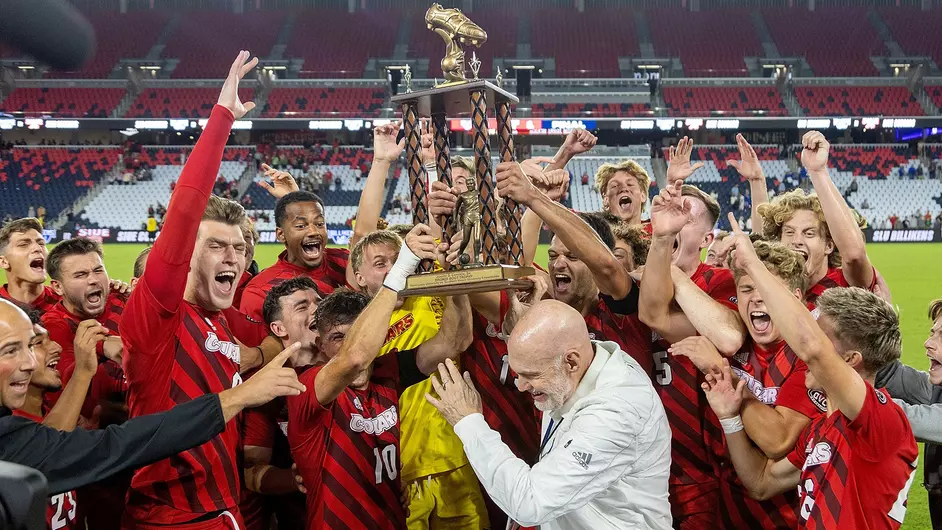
{"points": [[662, 370], [386, 459]]}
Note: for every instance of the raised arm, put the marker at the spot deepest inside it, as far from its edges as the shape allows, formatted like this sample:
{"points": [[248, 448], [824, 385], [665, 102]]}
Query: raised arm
{"points": [[840, 220], [366, 336], [608, 273], [748, 166], [168, 262], [385, 152], [773, 429], [454, 335], [845, 388], [65, 413], [710, 318], [670, 211]]}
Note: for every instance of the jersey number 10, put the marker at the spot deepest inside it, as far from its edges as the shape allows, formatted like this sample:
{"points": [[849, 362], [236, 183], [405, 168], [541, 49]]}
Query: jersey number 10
{"points": [[386, 459]]}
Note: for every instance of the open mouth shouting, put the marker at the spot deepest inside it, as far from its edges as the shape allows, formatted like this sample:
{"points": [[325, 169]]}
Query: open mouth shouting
{"points": [[95, 299], [225, 282], [623, 204], [311, 248], [539, 397], [38, 266], [935, 368], [51, 363], [761, 322], [561, 282]]}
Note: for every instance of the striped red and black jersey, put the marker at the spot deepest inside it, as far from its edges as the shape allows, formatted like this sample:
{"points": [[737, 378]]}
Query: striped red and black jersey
{"points": [[776, 377], [267, 427], [62, 511], [331, 274], [347, 452], [109, 382], [617, 321], [240, 288], [44, 302], [833, 278], [856, 474]]}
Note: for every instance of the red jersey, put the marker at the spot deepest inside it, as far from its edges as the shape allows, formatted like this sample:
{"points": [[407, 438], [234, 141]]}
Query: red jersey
{"points": [[62, 510], [617, 321], [44, 302], [109, 382], [249, 331], [331, 274], [267, 427], [240, 288], [348, 452], [834, 278], [776, 376], [856, 474], [175, 351]]}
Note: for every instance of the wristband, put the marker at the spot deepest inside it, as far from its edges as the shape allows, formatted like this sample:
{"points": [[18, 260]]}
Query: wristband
{"points": [[404, 267], [432, 171], [732, 425]]}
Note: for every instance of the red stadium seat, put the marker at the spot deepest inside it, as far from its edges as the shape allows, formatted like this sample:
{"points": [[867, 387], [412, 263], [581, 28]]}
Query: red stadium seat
{"points": [[730, 101], [870, 161], [178, 102], [581, 110], [693, 37], [315, 102], [835, 41], [916, 30], [337, 44], [64, 102], [584, 44], [857, 101]]}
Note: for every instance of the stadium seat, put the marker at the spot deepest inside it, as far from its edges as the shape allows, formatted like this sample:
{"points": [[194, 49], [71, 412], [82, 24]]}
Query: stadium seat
{"points": [[63, 102], [692, 36], [581, 110], [857, 101], [915, 30], [336, 44], [732, 101], [178, 102], [835, 41], [586, 44], [317, 102]]}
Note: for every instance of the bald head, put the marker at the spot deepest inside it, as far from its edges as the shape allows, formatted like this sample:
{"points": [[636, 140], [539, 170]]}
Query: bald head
{"points": [[549, 350], [16, 359]]}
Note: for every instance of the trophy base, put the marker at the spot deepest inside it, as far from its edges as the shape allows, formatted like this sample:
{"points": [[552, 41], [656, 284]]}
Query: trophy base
{"points": [[482, 279]]}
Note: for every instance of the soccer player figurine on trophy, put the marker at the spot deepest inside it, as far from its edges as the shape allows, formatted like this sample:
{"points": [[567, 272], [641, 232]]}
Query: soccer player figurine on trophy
{"points": [[486, 264]]}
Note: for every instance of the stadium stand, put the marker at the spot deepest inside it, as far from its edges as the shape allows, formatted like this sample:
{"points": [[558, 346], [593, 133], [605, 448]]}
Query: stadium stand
{"points": [[501, 27], [857, 101], [734, 101], [184, 102], [204, 40], [337, 44], [316, 102], [678, 32], [799, 32], [569, 36], [915, 30], [51, 177], [576, 110], [64, 102]]}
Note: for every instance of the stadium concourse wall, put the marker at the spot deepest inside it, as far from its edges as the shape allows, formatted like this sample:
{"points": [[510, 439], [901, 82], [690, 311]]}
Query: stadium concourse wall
{"points": [[342, 237]]}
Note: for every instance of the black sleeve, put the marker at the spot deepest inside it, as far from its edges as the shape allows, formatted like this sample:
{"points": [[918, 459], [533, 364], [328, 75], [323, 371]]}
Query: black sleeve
{"points": [[70, 460], [409, 373], [627, 305]]}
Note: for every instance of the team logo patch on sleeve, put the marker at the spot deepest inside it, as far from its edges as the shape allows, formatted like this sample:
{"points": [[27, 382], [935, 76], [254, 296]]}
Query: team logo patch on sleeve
{"points": [[820, 399], [881, 397]]}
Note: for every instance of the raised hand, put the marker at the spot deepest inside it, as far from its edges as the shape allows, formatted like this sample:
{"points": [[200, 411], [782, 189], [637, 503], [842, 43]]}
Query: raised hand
{"points": [[514, 184], [87, 336], [578, 141], [229, 96], [385, 148], [679, 166], [748, 165], [670, 210], [427, 140], [521, 301], [442, 201], [724, 398], [742, 254], [701, 352], [282, 182], [814, 152], [422, 243], [553, 183], [118, 286]]}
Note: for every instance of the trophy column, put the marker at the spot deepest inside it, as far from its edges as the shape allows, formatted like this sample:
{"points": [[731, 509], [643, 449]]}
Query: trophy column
{"points": [[485, 179], [443, 162], [511, 212], [410, 120]]}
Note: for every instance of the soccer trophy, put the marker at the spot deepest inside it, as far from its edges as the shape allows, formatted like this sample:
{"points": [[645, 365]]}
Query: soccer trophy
{"points": [[489, 260]]}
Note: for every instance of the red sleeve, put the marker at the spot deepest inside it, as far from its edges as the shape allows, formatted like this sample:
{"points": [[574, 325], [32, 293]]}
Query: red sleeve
{"points": [[249, 332], [797, 455], [879, 428], [252, 300], [722, 288], [304, 410], [796, 396], [259, 427]]}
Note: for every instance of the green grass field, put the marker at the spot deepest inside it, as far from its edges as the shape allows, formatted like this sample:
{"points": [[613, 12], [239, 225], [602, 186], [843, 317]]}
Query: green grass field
{"points": [[911, 271]]}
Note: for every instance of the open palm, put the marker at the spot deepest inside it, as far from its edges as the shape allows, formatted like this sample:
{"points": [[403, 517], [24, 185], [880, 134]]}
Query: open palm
{"points": [[229, 96]]}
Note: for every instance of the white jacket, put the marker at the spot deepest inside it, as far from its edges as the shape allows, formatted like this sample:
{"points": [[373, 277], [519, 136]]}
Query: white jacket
{"points": [[604, 465]]}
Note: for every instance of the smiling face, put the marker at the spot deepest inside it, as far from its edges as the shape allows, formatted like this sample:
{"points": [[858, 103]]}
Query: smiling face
{"points": [[83, 284], [297, 324], [753, 312], [570, 279], [934, 352], [216, 265], [304, 233], [46, 351], [805, 234], [547, 382], [623, 197], [24, 257], [17, 361]]}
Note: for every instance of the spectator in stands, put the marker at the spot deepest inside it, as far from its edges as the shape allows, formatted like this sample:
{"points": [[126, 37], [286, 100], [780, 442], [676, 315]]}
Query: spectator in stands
{"points": [[585, 179], [928, 219], [865, 205], [905, 224], [337, 183], [31, 212], [893, 219], [938, 222], [41, 214]]}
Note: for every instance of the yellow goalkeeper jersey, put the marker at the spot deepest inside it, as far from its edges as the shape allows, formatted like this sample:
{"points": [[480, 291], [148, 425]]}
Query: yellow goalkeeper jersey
{"points": [[428, 444]]}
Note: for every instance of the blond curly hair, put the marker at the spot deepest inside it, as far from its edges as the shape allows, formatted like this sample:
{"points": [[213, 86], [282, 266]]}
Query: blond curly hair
{"points": [[607, 171], [781, 261], [778, 212]]}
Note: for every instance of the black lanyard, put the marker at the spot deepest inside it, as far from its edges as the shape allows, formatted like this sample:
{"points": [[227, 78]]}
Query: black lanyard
{"points": [[550, 430]]}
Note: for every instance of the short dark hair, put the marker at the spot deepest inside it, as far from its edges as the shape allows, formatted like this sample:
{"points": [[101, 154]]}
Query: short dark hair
{"points": [[140, 262], [271, 308], [341, 307], [18, 226], [601, 226], [35, 316], [291, 198], [78, 246]]}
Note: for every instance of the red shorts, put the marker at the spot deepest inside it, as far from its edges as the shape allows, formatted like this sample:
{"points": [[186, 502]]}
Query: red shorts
{"points": [[227, 520], [695, 506]]}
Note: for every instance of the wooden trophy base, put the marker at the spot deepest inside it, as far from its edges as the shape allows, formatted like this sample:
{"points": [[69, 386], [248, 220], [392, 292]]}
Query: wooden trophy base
{"points": [[483, 279]]}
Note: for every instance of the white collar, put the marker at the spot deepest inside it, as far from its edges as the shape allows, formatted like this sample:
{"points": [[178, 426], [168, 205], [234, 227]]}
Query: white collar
{"points": [[588, 382]]}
